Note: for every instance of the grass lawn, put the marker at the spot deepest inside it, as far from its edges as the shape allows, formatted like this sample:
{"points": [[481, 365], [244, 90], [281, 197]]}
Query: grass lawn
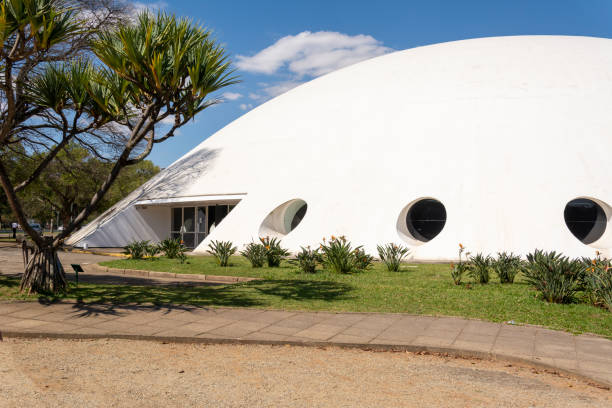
{"points": [[424, 289]]}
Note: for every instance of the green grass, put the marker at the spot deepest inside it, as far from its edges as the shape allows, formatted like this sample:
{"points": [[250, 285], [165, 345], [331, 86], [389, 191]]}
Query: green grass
{"points": [[426, 289]]}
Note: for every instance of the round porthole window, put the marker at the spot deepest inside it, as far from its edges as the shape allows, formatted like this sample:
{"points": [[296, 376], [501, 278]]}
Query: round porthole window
{"points": [[284, 218], [421, 220], [586, 219]]}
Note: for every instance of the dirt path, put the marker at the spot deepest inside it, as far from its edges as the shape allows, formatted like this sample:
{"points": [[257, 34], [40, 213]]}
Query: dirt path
{"points": [[101, 373]]}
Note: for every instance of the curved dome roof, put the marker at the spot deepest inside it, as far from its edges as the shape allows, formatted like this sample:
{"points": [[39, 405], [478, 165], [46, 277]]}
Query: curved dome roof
{"points": [[503, 131]]}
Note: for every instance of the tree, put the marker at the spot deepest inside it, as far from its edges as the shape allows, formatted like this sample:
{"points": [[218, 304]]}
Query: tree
{"points": [[110, 101]]}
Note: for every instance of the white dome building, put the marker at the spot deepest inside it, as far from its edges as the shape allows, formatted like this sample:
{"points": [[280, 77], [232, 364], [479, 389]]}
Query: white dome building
{"points": [[501, 144]]}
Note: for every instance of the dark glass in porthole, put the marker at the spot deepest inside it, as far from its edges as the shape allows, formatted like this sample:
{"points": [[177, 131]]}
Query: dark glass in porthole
{"points": [[299, 216], [585, 219], [425, 219], [177, 219]]}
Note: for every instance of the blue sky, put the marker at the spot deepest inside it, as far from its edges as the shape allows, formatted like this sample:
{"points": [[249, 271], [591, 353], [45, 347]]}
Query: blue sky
{"points": [[278, 44]]}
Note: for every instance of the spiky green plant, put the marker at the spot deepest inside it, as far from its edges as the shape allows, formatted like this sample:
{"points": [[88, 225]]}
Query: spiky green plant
{"points": [[256, 254], [151, 250], [461, 267], [555, 276], [275, 253], [307, 259], [392, 255], [597, 281], [362, 260], [506, 266], [480, 268], [222, 250], [136, 249], [172, 247], [338, 255]]}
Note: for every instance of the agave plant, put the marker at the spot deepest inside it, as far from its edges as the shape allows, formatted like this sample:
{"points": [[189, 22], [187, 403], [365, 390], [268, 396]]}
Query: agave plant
{"points": [[172, 248], [307, 259], [338, 255], [597, 281], [480, 267], [506, 266], [392, 255], [136, 249], [362, 260], [256, 254], [555, 276], [274, 252], [222, 250]]}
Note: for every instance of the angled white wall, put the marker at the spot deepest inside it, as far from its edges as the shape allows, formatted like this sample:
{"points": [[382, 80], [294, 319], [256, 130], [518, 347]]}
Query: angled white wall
{"points": [[503, 131]]}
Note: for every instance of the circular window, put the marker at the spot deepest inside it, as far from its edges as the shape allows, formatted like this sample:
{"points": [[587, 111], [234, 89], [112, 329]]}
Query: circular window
{"points": [[585, 219], [284, 218], [425, 219]]}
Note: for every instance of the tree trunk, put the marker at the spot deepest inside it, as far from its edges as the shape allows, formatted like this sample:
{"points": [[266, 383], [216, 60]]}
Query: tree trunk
{"points": [[44, 272]]}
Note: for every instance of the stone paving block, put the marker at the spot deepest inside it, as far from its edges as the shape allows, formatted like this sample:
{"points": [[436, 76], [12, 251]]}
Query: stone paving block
{"points": [[320, 332], [24, 324], [6, 308], [5, 320], [177, 332], [56, 316], [240, 314], [599, 366], [432, 341], [270, 316], [378, 322], [163, 323], [482, 328], [554, 350], [29, 313], [238, 329], [112, 326], [208, 325], [448, 323], [57, 327], [517, 331], [484, 347], [348, 339], [280, 330], [263, 336], [400, 334], [298, 321], [360, 332], [343, 319], [138, 318]]}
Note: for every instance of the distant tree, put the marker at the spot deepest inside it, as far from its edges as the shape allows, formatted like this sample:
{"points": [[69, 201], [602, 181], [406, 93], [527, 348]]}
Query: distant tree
{"points": [[64, 79]]}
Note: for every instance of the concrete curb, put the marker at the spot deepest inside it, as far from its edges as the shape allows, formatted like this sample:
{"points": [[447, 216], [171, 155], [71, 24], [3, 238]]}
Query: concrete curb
{"points": [[434, 350], [96, 268]]}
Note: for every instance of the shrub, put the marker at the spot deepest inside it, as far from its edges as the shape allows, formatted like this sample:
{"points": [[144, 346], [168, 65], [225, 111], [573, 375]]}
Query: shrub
{"points": [[151, 250], [274, 252], [256, 254], [461, 267], [392, 255], [479, 268], [338, 255], [172, 248], [221, 250], [553, 275], [137, 249], [362, 260], [597, 281], [506, 266], [307, 259]]}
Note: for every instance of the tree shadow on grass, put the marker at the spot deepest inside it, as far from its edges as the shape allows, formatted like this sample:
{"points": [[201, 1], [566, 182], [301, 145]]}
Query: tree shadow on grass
{"points": [[114, 299]]}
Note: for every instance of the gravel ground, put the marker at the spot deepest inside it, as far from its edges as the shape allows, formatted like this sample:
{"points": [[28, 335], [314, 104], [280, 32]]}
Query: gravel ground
{"points": [[103, 373]]}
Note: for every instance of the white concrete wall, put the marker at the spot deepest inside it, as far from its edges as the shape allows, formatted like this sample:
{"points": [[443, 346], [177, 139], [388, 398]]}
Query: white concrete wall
{"points": [[503, 131]]}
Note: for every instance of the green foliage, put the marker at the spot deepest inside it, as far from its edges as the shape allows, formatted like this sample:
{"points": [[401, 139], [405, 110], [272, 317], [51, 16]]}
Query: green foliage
{"points": [[151, 250], [480, 267], [597, 280], [222, 250], [256, 254], [274, 252], [506, 266], [136, 249], [553, 275], [362, 260], [461, 267], [340, 257], [172, 248], [392, 255], [307, 259]]}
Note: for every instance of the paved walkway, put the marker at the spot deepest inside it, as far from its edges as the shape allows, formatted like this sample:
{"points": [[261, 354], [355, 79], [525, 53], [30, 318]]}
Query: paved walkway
{"points": [[585, 356]]}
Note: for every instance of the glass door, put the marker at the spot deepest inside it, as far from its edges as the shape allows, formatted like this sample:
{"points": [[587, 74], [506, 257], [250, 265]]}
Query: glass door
{"points": [[201, 225], [193, 224]]}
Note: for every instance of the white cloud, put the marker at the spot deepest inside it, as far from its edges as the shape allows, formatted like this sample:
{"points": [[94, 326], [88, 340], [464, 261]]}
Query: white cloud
{"points": [[280, 88], [312, 54], [254, 96], [232, 96], [246, 106], [152, 6]]}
